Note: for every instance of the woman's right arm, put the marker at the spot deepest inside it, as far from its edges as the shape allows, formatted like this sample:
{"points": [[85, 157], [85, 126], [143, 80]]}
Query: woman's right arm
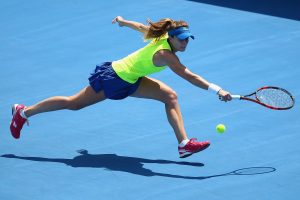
{"points": [[167, 57], [131, 24]]}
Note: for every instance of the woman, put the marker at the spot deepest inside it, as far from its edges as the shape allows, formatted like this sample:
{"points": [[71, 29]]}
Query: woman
{"points": [[128, 77]]}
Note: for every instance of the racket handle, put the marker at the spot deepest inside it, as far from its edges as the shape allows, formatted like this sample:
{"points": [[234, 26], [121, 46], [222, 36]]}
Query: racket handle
{"points": [[236, 96]]}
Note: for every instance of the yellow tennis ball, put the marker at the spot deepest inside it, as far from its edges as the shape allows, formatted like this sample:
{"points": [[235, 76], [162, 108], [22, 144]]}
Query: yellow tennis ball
{"points": [[220, 128]]}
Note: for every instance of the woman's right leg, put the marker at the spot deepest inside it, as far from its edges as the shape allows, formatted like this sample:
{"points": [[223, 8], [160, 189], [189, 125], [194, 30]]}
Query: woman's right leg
{"points": [[153, 89], [83, 98]]}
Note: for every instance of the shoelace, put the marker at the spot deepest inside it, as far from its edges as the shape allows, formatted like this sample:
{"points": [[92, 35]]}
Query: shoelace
{"points": [[27, 121]]}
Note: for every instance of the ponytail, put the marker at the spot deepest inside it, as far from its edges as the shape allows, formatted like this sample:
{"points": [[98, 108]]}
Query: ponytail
{"points": [[158, 29]]}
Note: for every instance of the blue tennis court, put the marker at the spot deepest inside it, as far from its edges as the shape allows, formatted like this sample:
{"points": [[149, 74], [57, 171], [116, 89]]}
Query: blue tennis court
{"points": [[126, 149]]}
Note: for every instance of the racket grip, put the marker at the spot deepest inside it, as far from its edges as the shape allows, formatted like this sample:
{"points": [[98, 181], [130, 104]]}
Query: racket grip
{"points": [[236, 96]]}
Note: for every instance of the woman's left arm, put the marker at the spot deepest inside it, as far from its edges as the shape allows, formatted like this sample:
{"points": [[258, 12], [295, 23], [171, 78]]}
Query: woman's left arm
{"points": [[131, 24]]}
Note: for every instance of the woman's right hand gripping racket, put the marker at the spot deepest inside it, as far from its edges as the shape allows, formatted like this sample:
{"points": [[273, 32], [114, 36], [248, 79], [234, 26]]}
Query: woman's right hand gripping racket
{"points": [[271, 97]]}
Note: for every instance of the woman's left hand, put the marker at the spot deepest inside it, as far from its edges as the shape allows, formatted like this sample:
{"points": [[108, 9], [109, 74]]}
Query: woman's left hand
{"points": [[119, 20], [224, 95]]}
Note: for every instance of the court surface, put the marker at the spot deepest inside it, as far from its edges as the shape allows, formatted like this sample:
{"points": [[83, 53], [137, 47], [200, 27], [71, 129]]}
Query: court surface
{"points": [[126, 149]]}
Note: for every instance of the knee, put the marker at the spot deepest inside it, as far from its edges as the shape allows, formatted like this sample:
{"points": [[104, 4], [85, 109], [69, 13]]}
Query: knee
{"points": [[73, 105], [171, 98]]}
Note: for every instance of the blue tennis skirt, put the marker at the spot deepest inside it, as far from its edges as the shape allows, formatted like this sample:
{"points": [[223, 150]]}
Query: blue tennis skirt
{"points": [[105, 78]]}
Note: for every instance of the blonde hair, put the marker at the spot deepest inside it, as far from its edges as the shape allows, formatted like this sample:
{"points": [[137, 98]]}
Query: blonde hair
{"points": [[158, 29]]}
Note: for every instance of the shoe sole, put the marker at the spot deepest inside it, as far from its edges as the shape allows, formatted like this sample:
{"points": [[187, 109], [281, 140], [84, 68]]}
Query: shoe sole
{"points": [[187, 155]]}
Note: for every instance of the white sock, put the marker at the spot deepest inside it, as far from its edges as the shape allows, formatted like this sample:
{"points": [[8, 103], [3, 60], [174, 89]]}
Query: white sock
{"points": [[183, 143], [22, 113]]}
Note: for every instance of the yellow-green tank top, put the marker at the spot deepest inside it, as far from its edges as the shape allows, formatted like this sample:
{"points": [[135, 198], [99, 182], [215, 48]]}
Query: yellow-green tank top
{"points": [[140, 63]]}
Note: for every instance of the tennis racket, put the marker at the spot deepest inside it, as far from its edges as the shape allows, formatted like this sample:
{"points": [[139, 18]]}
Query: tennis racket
{"points": [[271, 97]]}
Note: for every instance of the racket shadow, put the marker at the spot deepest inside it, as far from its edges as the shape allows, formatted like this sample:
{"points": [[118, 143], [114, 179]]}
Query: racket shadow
{"points": [[132, 165]]}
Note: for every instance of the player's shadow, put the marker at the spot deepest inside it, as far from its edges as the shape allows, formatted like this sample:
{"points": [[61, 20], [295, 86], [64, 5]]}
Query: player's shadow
{"points": [[111, 162], [115, 162]]}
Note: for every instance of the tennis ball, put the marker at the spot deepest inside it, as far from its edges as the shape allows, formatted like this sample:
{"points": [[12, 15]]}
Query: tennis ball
{"points": [[220, 128]]}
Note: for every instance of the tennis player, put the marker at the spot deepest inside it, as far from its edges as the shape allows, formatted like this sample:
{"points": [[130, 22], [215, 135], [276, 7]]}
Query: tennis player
{"points": [[129, 77]]}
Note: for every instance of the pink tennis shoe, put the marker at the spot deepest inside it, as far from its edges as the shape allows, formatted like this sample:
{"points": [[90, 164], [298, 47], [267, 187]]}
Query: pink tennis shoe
{"points": [[193, 146], [17, 121]]}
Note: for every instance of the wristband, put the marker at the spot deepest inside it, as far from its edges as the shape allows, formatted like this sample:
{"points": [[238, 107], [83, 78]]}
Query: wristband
{"points": [[214, 88]]}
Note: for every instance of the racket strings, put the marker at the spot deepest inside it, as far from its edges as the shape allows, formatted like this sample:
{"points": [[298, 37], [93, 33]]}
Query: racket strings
{"points": [[275, 97]]}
